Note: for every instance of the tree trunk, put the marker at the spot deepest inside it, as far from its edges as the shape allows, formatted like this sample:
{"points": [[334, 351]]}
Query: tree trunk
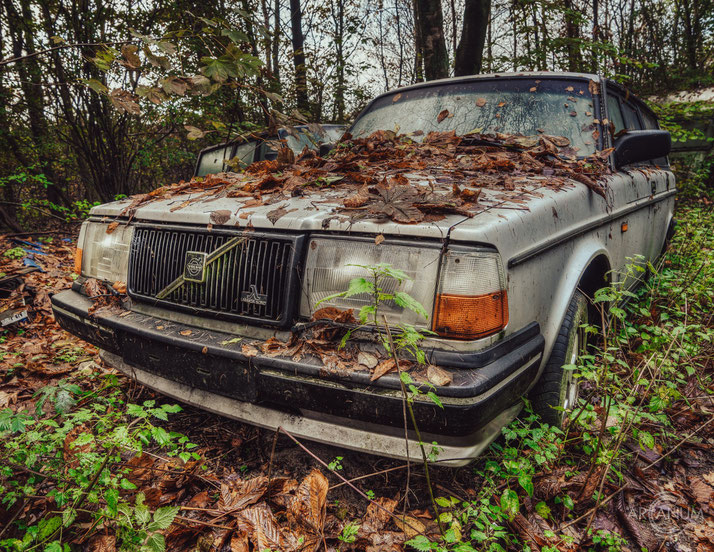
{"points": [[572, 33], [276, 44], [299, 57], [469, 53], [430, 22], [339, 18]]}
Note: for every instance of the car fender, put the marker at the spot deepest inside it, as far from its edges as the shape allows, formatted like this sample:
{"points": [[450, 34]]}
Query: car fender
{"points": [[584, 253]]}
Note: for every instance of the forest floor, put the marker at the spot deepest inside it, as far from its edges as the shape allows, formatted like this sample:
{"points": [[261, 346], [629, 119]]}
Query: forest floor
{"points": [[91, 461]]}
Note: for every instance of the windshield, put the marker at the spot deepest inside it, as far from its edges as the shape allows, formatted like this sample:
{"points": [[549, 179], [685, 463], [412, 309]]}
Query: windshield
{"points": [[305, 137], [508, 106]]}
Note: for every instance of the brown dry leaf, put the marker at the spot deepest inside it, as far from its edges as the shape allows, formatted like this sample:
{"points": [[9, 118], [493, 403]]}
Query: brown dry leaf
{"points": [[593, 88], [276, 214], [379, 239], [310, 503], [443, 115], [286, 156], [501, 104], [376, 518], [397, 203], [410, 526], [249, 350], [480, 102], [112, 226], [335, 314], [265, 532], [396, 98], [701, 491], [358, 199], [438, 376], [383, 368], [120, 287], [569, 89], [219, 217], [186, 332], [533, 89], [367, 359], [6, 399], [101, 543], [240, 542]]}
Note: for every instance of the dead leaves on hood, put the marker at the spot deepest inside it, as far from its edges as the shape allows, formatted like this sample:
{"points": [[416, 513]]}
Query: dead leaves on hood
{"points": [[390, 176]]}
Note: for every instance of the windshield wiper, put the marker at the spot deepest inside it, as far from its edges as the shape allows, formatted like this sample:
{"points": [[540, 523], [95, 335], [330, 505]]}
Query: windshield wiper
{"points": [[470, 140]]}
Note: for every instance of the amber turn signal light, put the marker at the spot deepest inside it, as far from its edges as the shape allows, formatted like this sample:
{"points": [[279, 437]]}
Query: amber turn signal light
{"points": [[78, 261], [470, 317]]}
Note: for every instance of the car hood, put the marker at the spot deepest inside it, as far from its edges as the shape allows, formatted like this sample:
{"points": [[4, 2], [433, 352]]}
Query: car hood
{"points": [[319, 211]]}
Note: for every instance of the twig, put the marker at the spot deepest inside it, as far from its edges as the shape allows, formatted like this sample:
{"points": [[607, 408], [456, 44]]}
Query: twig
{"points": [[416, 428], [60, 47], [370, 475]]}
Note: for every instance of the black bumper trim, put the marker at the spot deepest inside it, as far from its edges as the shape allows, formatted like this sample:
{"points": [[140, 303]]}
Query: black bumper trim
{"points": [[203, 359]]}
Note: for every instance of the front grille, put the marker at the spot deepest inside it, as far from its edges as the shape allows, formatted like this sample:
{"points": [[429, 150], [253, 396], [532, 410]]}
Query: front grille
{"points": [[262, 266]]}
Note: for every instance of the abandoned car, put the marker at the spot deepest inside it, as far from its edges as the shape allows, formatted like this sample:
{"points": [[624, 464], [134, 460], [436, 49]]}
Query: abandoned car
{"points": [[507, 200], [260, 146]]}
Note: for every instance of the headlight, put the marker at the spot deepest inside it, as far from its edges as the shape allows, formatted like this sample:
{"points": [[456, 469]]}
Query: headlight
{"points": [[327, 272], [104, 256], [471, 301]]}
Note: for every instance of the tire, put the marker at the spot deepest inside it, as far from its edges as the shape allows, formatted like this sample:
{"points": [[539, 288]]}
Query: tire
{"points": [[557, 387]]}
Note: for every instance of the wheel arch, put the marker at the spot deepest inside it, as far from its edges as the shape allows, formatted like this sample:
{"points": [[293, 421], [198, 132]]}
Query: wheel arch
{"points": [[587, 270]]}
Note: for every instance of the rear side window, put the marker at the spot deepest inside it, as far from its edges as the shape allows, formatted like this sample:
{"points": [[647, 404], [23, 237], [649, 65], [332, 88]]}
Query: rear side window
{"points": [[614, 113], [632, 121]]}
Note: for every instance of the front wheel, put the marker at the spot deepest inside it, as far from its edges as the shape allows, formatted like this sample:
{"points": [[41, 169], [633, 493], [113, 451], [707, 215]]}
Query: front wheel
{"points": [[556, 393]]}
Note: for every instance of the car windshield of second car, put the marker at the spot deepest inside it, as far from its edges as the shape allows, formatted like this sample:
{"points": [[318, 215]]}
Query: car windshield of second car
{"points": [[516, 106]]}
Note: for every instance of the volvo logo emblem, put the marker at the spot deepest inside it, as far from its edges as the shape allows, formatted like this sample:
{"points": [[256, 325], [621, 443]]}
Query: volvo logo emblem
{"points": [[195, 267], [253, 297]]}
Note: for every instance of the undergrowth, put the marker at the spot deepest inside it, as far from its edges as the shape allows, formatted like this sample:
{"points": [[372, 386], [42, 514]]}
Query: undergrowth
{"points": [[654, 354]]}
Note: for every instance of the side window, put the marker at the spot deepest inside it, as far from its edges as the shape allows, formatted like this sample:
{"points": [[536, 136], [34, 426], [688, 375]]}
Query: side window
{"points": [[614, 113], [632, 121], [211, 161], [650, 123]]}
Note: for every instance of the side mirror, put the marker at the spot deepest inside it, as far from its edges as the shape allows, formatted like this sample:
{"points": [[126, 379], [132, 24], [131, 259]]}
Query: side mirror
{"points": [[326, 148], [641, 145]]}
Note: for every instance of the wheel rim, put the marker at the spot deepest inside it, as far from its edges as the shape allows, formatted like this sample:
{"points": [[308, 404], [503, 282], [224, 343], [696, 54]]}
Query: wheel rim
{"points": [[570, 382]]}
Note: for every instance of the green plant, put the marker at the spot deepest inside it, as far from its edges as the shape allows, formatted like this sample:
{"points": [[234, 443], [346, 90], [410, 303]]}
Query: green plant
{"points": [[349, 532], [15, 253], [336, 464], [79, 448]]}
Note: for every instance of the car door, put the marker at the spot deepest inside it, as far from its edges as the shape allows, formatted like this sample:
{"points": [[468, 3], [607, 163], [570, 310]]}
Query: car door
{"points": [[631, 233]]}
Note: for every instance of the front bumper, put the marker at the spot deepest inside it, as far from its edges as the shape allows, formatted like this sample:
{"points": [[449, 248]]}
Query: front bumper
{"points": [[204, 368]]}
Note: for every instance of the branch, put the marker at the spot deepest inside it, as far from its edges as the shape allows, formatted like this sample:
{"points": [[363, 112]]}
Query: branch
{"points": [[60, 47]]}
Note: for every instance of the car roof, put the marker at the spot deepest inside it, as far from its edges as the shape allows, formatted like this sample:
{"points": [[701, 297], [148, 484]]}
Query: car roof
{"points": [[490, 76]]}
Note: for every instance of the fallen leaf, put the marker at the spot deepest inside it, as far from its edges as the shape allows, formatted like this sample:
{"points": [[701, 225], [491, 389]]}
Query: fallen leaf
{"points": [[438, 376], [112, 226], [410, 526], [383, 368], [378, 239], [186, 332], [443, 115], [367, 359], [219, 217], [480, 102]]}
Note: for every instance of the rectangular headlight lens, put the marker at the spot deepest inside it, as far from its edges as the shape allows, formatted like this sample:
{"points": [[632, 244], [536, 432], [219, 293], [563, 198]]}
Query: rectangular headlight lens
{"points": [[328, 271], [105, 256], [472, 301]]}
